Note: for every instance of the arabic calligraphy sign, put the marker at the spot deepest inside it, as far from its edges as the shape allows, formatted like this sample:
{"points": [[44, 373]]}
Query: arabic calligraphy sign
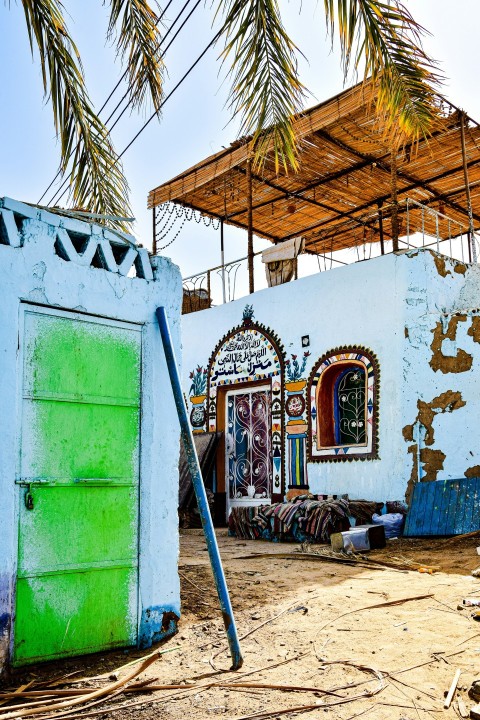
{"points": [[245, 356]]}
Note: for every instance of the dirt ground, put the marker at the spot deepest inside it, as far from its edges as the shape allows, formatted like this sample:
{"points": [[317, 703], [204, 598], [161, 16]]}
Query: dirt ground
{"points": [[331, 630]]}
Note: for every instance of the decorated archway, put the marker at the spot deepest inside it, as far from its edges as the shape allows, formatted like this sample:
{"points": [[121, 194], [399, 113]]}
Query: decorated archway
{"points": [[245, 397]]}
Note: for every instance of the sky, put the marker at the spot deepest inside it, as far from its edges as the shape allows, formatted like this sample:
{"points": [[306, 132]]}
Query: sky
{"points": [[195, 120]]}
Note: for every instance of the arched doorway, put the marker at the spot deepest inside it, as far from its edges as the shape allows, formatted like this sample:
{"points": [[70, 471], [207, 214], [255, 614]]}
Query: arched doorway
{"points": [[245, 401]]}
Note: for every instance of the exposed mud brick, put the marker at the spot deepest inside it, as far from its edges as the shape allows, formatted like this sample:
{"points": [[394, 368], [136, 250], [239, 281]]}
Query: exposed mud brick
{"points": [[462, 361]]}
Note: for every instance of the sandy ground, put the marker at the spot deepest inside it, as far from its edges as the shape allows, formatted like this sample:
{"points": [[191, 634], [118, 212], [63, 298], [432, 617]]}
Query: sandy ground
{"points": [[329, 629]]}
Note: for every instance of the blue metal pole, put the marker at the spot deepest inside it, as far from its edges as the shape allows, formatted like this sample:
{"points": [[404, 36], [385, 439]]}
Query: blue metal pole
{"points": [[199, 487]]}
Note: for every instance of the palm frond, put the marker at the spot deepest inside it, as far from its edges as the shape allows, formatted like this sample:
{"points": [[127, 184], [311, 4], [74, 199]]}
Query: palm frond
{"points": [[387, 41], [138, 44], [265, 91], [96, 177]]}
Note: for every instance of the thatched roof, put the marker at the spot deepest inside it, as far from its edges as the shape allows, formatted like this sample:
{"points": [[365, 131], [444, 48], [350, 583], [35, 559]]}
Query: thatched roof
{"points": [[344, 174]]}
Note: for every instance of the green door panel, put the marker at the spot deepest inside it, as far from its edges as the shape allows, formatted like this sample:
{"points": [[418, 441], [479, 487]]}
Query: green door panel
{"points": [[74, 613], [80, 358], [57, 534], [77, 440], [78, 545]]}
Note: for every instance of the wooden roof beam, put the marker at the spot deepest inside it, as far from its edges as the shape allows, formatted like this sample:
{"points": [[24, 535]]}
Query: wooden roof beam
{"points": [[402, 191], [312, 186], [325, 135], [321, 115], [297, 194], [418, 183], [366, 160]]}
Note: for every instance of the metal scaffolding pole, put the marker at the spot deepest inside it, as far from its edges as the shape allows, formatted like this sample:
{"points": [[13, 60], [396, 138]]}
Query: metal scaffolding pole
{"points": [[471, 226], [199, 487]]}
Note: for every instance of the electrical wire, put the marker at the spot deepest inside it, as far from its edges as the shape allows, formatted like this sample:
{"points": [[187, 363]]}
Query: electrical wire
{"points": [[125, 73], [167, 97], [122, 78], [65, 182], [191, 68], [56, 197], [162, 55]]}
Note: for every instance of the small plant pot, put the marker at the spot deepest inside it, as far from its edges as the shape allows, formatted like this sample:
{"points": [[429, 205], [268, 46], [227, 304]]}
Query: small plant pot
{"points": [[295, 385]]}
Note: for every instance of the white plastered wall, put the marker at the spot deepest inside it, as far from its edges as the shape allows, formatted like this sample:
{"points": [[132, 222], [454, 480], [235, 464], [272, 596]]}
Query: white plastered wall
{"points": [[368, 304], [31, 271]]}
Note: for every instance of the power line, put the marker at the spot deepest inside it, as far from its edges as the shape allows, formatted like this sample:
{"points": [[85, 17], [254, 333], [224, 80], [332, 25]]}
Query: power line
{"points": [[184, 77], [122, 78], [59, 172], [212, 42], [163, 54], [56, 197], [126, 70]]}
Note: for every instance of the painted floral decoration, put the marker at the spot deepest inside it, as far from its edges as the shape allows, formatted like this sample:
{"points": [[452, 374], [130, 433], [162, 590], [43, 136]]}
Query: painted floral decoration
{"points": [[248, 314], [199, 381], [294, 369]]}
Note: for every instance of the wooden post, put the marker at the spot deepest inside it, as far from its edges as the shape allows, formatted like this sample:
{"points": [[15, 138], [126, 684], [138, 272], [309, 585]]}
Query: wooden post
{"points": [[251, 283], [451, 692], [154, 238], [222, 260], [393, 168], [471, 228], [380, 227]]}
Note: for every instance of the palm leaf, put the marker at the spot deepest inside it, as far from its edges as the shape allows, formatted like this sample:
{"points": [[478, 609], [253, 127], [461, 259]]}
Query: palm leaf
{"points": [[265, 89], [138, 44], [96, 177], [387, 41]]}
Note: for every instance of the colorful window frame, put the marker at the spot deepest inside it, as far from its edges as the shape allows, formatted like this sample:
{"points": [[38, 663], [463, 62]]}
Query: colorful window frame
{"points": [[323, 414]]}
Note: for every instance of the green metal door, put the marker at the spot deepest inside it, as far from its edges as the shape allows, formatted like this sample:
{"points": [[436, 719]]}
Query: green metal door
{"points": [[79, 469]]}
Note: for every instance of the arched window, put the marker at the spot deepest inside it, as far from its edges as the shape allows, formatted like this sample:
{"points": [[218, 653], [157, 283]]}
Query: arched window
{"points": [[350, 408], [343, 406]]}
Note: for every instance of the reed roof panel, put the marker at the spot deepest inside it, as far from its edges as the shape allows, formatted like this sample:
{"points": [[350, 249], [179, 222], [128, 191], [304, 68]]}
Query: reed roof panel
{"points": [[344, 178]]}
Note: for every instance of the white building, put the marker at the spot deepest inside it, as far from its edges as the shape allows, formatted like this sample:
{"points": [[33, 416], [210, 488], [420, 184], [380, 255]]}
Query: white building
{"points": [[363, 379], [88, 439], [360, 380]]}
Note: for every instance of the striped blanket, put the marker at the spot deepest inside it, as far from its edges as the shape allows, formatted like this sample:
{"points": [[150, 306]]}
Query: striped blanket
{"points": [[306, 519]]}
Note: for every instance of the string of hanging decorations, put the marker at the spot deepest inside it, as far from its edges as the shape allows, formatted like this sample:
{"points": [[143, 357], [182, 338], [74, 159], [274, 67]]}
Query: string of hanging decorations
{"points": [[170, 218]]}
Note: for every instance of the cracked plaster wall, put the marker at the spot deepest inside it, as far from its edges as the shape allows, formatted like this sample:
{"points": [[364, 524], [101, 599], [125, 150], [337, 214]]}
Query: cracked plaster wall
{"points": [[32, 272], [441, 368], [392, 305]]}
